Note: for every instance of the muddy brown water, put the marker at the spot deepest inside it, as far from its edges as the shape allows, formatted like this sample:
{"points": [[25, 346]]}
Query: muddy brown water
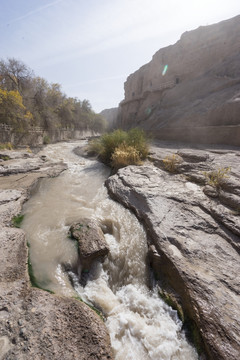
{"points": [[140, 324]]}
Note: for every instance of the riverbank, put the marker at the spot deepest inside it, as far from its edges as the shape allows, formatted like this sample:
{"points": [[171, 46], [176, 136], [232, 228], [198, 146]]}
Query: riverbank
{"points": [[140, 324], [193, 236], [193, 226], [34, 323]]}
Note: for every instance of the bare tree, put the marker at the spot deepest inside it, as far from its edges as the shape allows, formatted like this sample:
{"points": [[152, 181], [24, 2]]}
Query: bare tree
{"points": [[14, 75]]}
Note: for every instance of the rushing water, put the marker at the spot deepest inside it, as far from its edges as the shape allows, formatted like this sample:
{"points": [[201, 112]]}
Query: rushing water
{"points": [[140, 324]]}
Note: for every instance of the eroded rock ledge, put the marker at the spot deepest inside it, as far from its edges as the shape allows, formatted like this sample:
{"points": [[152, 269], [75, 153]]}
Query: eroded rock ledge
{"points": [[33, 323], [196, 236]]}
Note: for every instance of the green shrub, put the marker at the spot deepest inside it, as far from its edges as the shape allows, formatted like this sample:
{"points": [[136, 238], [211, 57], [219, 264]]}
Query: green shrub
{"points": [[17, 220], [46, 140], [137, 138], [106, 145], [125, 155], [110, 142], [94, 147], [216, 177]]}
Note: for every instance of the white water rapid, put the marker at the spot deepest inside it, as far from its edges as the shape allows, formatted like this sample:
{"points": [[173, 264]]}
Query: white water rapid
{"points": [[141, 325]]}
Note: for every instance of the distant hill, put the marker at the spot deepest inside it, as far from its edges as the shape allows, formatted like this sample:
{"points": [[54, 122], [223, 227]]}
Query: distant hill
{"points": [[189, 91], [110, 115]]}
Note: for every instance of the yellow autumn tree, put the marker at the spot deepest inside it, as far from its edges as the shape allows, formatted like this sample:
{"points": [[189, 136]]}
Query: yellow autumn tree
{"points": [[13, 112]]}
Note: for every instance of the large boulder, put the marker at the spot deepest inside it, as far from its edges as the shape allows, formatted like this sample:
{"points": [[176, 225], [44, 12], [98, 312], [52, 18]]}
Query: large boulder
{"points": [[91, 243], [197, 239]]}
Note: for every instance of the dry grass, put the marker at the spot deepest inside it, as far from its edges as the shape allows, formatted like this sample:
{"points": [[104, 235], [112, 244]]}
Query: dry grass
{"points": [[171, 162], [125, 155], [121, 148], [216, 177]]}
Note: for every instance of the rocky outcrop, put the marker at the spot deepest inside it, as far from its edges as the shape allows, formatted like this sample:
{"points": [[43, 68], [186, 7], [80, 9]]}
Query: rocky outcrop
{"points": [[193, 236], [92, 245], [189, 91], [35, 324]]}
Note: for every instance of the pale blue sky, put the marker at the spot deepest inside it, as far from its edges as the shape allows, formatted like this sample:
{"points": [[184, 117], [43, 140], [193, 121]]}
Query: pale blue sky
{"points": [[91, 46]]}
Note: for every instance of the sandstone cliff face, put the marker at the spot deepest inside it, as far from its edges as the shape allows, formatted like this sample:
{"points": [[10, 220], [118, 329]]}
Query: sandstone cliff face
{"points": [[197, 96]]}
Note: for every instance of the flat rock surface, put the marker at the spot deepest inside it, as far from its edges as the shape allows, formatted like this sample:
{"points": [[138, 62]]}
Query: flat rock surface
{"points": [[196, 236], [17, 166], [9, 195], [38, 325], [35, 324]]}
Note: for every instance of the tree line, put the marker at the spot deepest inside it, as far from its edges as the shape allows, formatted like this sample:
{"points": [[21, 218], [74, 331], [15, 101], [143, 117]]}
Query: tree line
{"points": [[27, 101]]}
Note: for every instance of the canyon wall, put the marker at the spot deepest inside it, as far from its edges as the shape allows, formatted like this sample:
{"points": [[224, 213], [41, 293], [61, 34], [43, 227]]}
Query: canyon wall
{"points": [[189, 91]]}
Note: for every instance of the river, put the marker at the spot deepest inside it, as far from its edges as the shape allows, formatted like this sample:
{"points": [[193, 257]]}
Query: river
{"points": [[141, 325]]}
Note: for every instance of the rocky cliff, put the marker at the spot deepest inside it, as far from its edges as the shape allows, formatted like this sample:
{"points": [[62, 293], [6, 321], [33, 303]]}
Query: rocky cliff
{"points": [[189, 91]]}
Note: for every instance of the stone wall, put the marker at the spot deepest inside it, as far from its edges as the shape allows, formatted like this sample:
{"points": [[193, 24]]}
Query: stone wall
{"points": [[35, 138]]}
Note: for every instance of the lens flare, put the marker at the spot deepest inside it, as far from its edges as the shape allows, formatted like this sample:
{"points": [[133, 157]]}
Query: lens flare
{"points": [[164, 70]]}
